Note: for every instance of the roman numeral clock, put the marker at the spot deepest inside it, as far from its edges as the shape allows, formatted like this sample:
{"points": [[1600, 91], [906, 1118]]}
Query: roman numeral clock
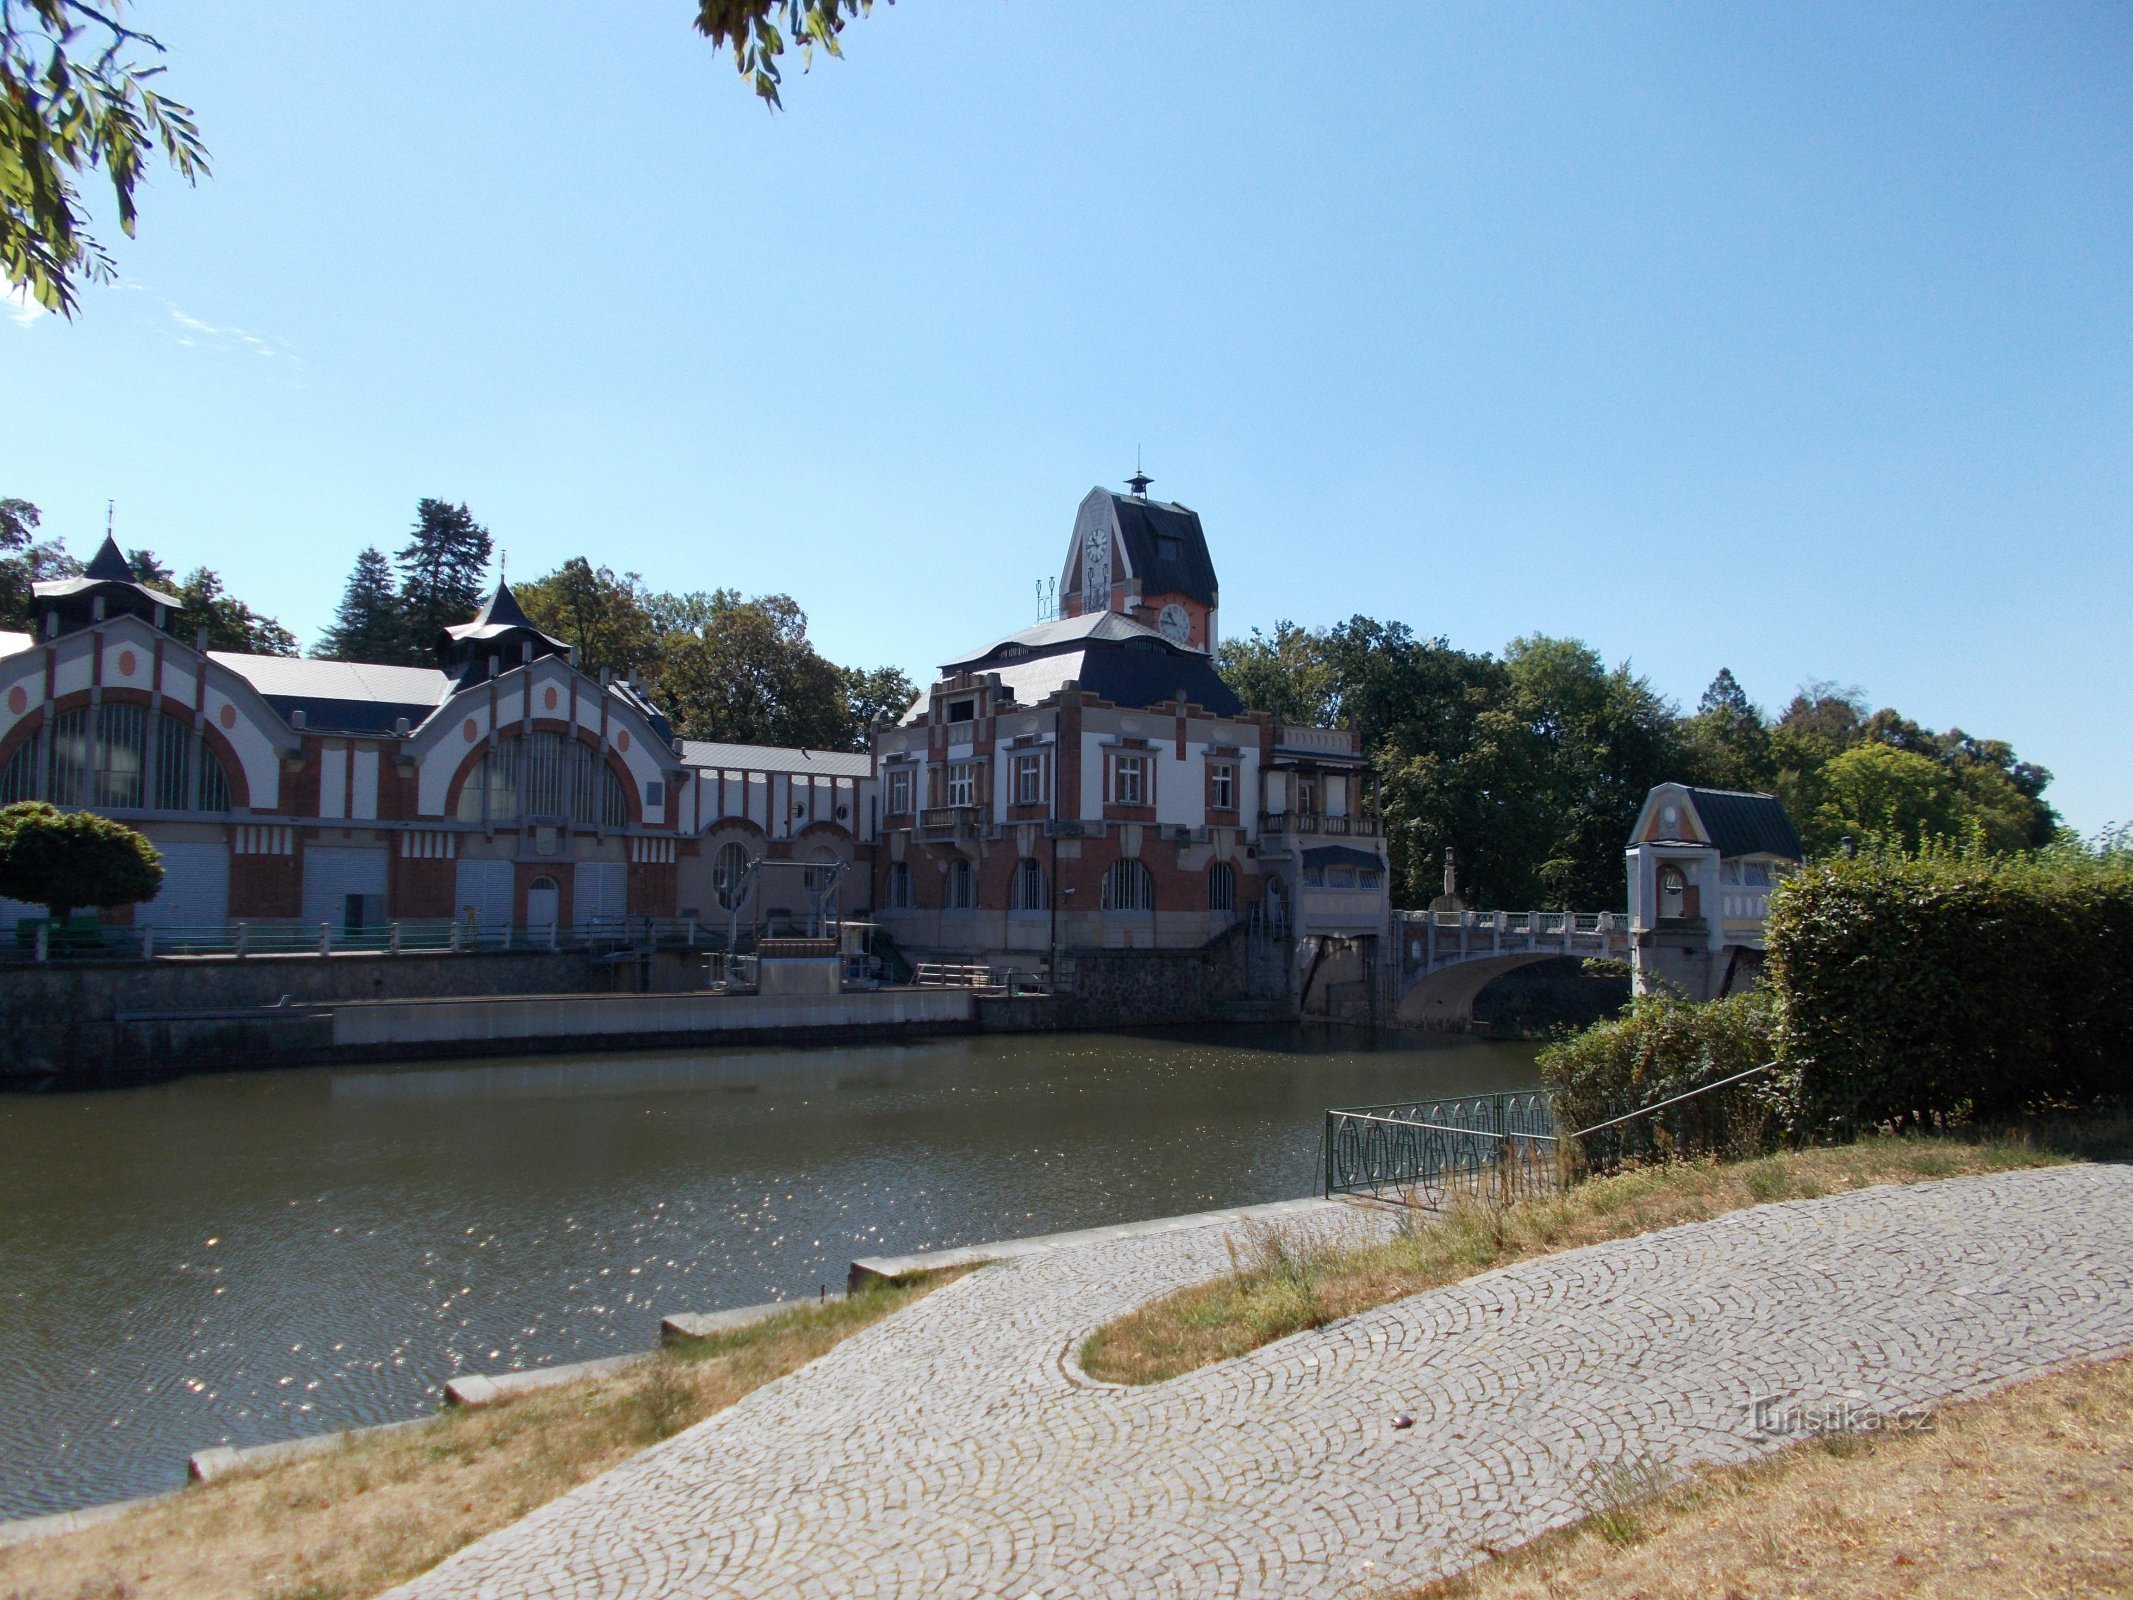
{"points": [[1096, 569]]}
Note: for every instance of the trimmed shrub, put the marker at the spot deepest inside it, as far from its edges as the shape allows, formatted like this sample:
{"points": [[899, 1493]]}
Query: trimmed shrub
{"points": [[1914, 991], [67, 859], [1663, 1047]]}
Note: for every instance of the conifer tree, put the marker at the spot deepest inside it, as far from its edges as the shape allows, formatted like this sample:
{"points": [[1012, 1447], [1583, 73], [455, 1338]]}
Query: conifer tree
{"points": [[442, 570], [368, 626]]}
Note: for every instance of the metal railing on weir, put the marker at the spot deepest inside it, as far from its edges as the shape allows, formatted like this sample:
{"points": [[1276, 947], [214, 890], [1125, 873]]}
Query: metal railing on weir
{"points": [[38, 940], [1501, 1148]]}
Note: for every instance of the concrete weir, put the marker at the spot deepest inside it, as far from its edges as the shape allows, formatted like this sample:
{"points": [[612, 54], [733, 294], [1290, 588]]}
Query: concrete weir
{"points": [[486, 1024]]}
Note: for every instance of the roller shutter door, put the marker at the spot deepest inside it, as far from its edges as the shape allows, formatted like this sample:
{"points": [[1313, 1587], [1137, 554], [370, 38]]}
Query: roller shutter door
{"points": [[335, 875], [485, 888], [196, 888], [600, 892]]}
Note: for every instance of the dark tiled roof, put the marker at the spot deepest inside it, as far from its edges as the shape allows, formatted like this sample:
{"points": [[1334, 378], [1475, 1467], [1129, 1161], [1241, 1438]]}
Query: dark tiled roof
{"points": [[108, 565], [347, 716], [1166, 547], [1339, 855], [1747, 824]]}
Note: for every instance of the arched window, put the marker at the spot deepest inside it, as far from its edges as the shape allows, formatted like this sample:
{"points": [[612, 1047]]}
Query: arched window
{"points": [[727, 869], [118, 757], [544, 902], [1221, 887], [899, 896], [1028, 887], [1673, 891], [1128, 887], [962, 886], [544, 777]]}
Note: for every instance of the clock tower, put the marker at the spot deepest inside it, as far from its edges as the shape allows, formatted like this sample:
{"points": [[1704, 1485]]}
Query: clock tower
{"points": [[1145, 560]]}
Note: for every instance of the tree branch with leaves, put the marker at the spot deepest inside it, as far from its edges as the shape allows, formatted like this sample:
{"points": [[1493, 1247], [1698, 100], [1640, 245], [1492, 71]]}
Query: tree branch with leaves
{"points": [[76, 97]]}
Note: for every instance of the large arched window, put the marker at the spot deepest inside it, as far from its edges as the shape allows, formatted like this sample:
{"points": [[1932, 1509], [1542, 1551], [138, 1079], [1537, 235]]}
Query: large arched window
{"points": [[118, 757], [1028, 887], [962, 886], [1221, 887], [727, 869], [899, 896], [544, 777], [1128, 887]]}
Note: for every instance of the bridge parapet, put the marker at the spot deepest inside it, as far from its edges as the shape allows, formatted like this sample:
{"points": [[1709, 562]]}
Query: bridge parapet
{"points": [[1429, 941]]}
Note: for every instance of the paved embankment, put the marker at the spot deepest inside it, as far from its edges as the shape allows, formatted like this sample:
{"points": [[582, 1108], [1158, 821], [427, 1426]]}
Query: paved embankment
{"points": [[956, 1449]]}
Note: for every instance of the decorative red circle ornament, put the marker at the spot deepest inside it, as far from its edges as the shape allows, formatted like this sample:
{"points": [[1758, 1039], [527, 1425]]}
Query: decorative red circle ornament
{"points": [[622, 739], [127, 662], [471, 731], [548, 697], [227, 716], [17, 701]]}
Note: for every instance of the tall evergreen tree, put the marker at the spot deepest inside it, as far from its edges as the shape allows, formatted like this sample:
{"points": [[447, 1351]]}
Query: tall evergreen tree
{"points": [[368, 625], [443, 568]]}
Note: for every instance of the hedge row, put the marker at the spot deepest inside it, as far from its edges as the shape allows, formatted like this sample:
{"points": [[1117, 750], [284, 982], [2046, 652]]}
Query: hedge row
{"points": [[1913, 991]]}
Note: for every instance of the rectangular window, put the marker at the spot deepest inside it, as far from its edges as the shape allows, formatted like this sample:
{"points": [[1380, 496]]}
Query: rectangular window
{"points": [[1222, 786], [899, 791], [1029, 780], [962, 710], [963, 784], [1129, 781]]}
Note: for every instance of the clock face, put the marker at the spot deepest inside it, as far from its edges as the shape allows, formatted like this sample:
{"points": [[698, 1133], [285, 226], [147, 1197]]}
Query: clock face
{"points": [[1096, 569], [1173, 624]]}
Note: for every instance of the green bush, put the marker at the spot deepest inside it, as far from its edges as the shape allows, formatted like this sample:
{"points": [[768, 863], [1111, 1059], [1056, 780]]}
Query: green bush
{"points": [[1661, 1047], [1913, 991], [67, 859]]}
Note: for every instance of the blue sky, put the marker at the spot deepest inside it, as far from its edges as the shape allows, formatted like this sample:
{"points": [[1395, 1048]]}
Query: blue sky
{"points": [[1796, 340]]}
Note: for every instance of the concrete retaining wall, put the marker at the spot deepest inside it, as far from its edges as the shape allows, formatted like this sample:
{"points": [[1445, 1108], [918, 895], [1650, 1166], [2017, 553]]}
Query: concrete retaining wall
{"points": [[507, 1025], [114, 1021]]}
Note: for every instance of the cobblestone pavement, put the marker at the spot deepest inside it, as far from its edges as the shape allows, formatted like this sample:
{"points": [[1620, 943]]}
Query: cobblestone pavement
{"points": [[956, 1449]]}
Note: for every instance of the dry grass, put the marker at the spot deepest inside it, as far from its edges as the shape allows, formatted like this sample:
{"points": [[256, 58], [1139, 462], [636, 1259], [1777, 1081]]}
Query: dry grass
{"points": [[1281, 1287], [2029, 1492], [377, 1512]]}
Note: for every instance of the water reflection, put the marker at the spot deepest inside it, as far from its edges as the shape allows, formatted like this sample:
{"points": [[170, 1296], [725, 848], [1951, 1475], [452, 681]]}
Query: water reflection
{"points": [[245, 1258]]}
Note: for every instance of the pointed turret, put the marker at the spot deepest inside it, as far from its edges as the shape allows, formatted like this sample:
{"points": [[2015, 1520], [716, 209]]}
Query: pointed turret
{"points": [[106, 588], [500, 632]]}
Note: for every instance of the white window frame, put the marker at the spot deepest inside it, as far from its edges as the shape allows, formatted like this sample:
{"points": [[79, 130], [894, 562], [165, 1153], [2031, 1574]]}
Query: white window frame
{"points": [[1136, 763], [1029, 780], [1222, 786], [899, 791], [961, 789]]}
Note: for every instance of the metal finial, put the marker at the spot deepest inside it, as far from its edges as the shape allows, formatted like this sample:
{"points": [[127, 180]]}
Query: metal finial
{"points": [[1140, 480]]}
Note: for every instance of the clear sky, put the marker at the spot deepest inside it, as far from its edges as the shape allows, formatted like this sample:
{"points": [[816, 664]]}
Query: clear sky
{"points": [[1792, 339]]}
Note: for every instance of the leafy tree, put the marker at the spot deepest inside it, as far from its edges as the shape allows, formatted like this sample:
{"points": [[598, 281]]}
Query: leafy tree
{"points": [[1876, 792], [24, 562], [871, 696], [443, 571], [750, 27], [608, 618], [1285, 672], [748, 675], [367, 626], [75, 96], [65, 859], [230, 623]]}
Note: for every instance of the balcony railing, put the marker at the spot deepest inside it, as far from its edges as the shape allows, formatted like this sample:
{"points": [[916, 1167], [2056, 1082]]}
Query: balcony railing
{"points": [[1281, 822], [948, 822]]}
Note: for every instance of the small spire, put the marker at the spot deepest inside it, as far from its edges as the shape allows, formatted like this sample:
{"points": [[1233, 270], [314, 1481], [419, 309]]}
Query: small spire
{"points": [[1140, 480], [109, 564]]}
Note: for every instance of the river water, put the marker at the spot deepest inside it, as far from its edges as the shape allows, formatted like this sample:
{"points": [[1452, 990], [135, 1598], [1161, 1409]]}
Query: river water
{"points": [[243, 1258]]}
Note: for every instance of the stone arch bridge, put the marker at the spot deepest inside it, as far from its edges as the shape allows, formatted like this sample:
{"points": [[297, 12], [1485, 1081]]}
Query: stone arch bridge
{"points": [[1442, 959]]}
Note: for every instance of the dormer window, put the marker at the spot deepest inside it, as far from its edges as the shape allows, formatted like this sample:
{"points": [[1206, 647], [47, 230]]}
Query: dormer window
{"points": [[962, 710]]}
